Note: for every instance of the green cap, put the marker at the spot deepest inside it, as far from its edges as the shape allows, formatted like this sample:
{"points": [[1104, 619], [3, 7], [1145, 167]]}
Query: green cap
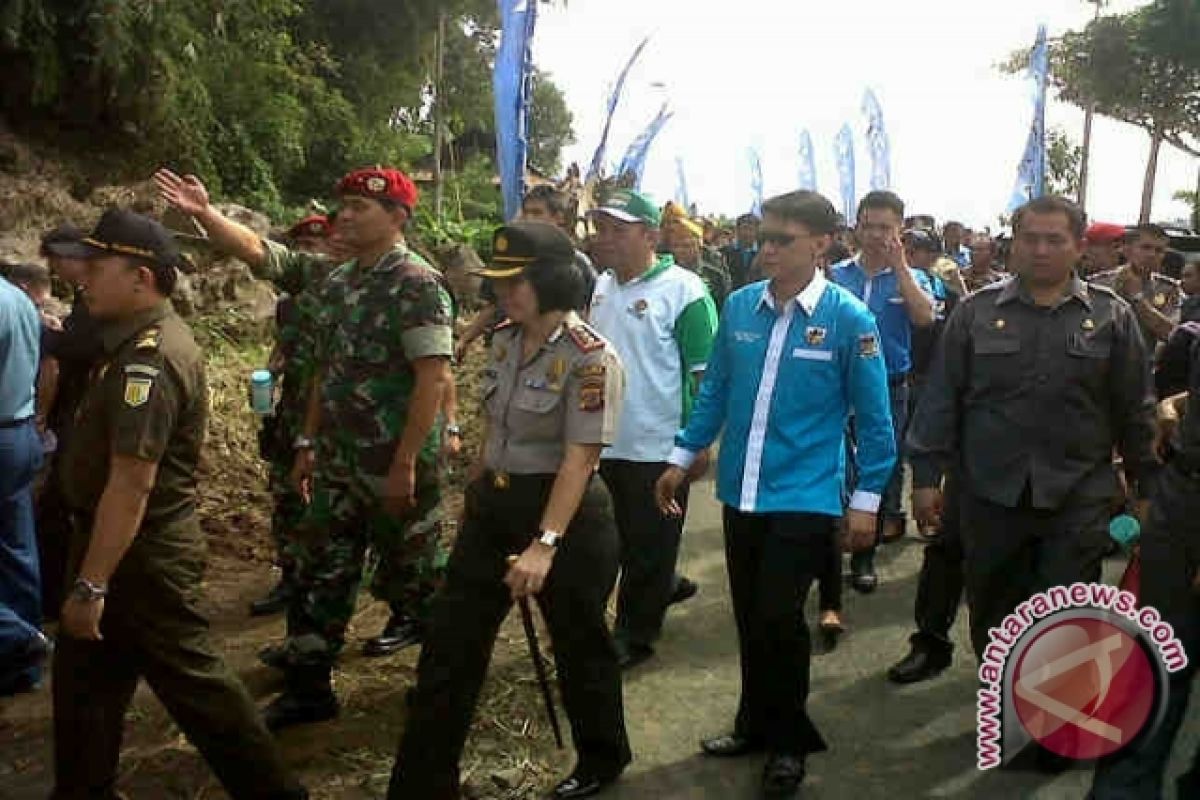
{"points": [[630, 206]]}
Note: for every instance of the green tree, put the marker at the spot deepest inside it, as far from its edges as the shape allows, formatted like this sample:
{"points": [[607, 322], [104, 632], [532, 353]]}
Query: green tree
{"points": [[1141, 68], [550, 125], [1063, 158]]}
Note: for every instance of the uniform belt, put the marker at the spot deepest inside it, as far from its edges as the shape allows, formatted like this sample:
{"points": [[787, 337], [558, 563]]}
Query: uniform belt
{"points": [[501, 480], [15, 423]]}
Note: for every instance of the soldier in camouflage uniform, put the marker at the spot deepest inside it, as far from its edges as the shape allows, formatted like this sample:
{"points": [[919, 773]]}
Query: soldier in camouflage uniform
{"points": [[360, 415]]}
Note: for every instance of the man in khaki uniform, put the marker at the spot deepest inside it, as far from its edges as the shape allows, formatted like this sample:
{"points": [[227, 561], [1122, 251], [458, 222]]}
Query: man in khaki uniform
{"points": [[1155, 298], [137, 552]]}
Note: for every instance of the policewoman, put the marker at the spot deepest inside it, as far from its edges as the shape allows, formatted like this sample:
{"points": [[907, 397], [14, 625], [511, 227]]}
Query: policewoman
{"points": [[552, 399]]}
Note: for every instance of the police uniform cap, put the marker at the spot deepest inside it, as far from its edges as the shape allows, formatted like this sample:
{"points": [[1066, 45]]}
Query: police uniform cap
{"points": [[124, 233], [521, 245]]}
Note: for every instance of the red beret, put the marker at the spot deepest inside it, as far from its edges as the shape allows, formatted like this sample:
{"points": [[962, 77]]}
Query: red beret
{"points": [[1104, 233], [380, 183], [313, 225]]}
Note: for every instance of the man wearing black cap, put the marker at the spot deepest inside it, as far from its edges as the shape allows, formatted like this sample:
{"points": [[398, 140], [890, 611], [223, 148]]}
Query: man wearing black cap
{"points": [[137, 554], [69, 353]]}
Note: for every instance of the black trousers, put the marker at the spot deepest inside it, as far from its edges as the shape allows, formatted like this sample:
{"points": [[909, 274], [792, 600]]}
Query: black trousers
{"points": [[152, 629], [649, 548], [466, 618], [772, 561], [940, 583], [1170, 546], [1013, 553]]}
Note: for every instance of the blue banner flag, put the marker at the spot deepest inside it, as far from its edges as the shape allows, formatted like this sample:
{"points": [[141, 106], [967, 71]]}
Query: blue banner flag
{"points": [[843, 149], [1031, 174], [511, 87], [681, 187], [635, 157], [877, 142], [614, 98], [756, 182], [808, 163]]}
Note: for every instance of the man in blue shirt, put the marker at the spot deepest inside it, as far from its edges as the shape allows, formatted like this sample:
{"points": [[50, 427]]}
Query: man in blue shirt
{"points": [[23, 648], [791, 358], [900, 298]]}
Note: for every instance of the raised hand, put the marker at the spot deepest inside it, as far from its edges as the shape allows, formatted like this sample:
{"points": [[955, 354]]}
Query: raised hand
{"points": [[187, 194]]}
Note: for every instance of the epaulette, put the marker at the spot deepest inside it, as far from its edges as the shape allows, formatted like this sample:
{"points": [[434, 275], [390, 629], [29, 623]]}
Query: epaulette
{"points": [[1100, 288], [148, 339], [584, 337]]}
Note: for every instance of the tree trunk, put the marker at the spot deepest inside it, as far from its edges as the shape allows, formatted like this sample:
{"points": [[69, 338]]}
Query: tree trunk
{"points": [[1085, 157], [439, 114], [1156, 141]]}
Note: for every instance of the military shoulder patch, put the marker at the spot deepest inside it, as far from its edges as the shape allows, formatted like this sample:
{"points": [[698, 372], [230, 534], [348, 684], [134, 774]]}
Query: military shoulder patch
{"points": [[141, 369], [148, 339], [585, 338], [868, 345], [591, 394], [137, 391]]}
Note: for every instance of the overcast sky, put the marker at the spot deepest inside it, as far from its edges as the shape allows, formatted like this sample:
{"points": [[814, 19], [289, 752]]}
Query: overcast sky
{"points": [[757, 72]]}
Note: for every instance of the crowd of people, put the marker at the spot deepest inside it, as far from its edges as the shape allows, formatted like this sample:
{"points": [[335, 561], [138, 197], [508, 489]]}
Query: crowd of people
{"points": [[1035, 386]]}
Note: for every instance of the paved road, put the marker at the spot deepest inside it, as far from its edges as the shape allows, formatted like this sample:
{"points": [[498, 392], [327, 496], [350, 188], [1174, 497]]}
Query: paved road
{"points": [[886, 742]]}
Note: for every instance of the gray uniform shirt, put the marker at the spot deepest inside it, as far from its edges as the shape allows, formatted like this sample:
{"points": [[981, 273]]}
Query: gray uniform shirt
{"points": [[569, 392], [1026, 397]]}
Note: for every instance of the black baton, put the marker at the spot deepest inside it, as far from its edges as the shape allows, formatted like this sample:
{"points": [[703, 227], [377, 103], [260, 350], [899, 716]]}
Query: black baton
{"points": [[539, 666]]}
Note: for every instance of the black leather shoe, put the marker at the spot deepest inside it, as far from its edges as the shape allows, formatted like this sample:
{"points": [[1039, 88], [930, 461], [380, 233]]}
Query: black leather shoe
{"points": [[581, 784], [291, 709], [274, 656], [730, 745], [920, 664], [399, 633], [685, 589], [275, 602], [631, 655], [782, 777], [862, 573]]}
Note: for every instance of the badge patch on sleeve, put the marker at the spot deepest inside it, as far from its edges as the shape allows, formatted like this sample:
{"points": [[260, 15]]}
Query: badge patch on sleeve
{"points": [[591, 394], [137, 391], [868, 345]]}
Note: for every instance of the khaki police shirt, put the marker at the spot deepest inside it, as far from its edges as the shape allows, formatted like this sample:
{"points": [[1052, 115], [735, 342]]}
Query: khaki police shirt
{"points": [[1162, 293], [569, 392], [146, 398]]}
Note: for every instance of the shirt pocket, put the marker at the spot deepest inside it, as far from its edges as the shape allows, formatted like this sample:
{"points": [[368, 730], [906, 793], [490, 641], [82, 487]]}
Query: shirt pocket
{"points": [[1088, 357], [536, 415], [997, 361]]}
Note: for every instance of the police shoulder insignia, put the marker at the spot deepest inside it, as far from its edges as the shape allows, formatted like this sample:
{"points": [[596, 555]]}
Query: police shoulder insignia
{"points": [[868, 345], [141, 369], [137, 391], [149, 338], [585, 338], [591, 393]]}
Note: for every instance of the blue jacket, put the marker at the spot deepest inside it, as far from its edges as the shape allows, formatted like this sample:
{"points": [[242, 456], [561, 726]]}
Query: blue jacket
{"points": [[781, 384], [882, 296]]}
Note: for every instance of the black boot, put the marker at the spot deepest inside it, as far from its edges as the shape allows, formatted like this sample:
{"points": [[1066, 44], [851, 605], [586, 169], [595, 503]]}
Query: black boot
{"points": [[275, 602], [308, 698], [400, 632]]}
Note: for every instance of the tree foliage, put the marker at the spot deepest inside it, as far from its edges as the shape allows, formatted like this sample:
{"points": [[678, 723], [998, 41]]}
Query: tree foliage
{"points": [[270, 100], [1063, 159]]}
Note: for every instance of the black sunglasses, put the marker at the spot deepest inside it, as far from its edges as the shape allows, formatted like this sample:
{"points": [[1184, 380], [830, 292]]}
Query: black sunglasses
{"points": [[777, 238]]}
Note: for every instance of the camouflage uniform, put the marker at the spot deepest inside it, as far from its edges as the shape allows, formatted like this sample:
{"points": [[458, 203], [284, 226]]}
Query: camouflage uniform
{"points": [[370, 325], [299, 275]]}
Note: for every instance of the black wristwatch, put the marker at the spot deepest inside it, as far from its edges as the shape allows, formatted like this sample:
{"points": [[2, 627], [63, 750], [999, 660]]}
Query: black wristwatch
{"points": [[87, 591]]}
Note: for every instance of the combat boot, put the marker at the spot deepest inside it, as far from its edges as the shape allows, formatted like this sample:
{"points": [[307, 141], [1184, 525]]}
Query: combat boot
{"points": [[308, 697]]}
